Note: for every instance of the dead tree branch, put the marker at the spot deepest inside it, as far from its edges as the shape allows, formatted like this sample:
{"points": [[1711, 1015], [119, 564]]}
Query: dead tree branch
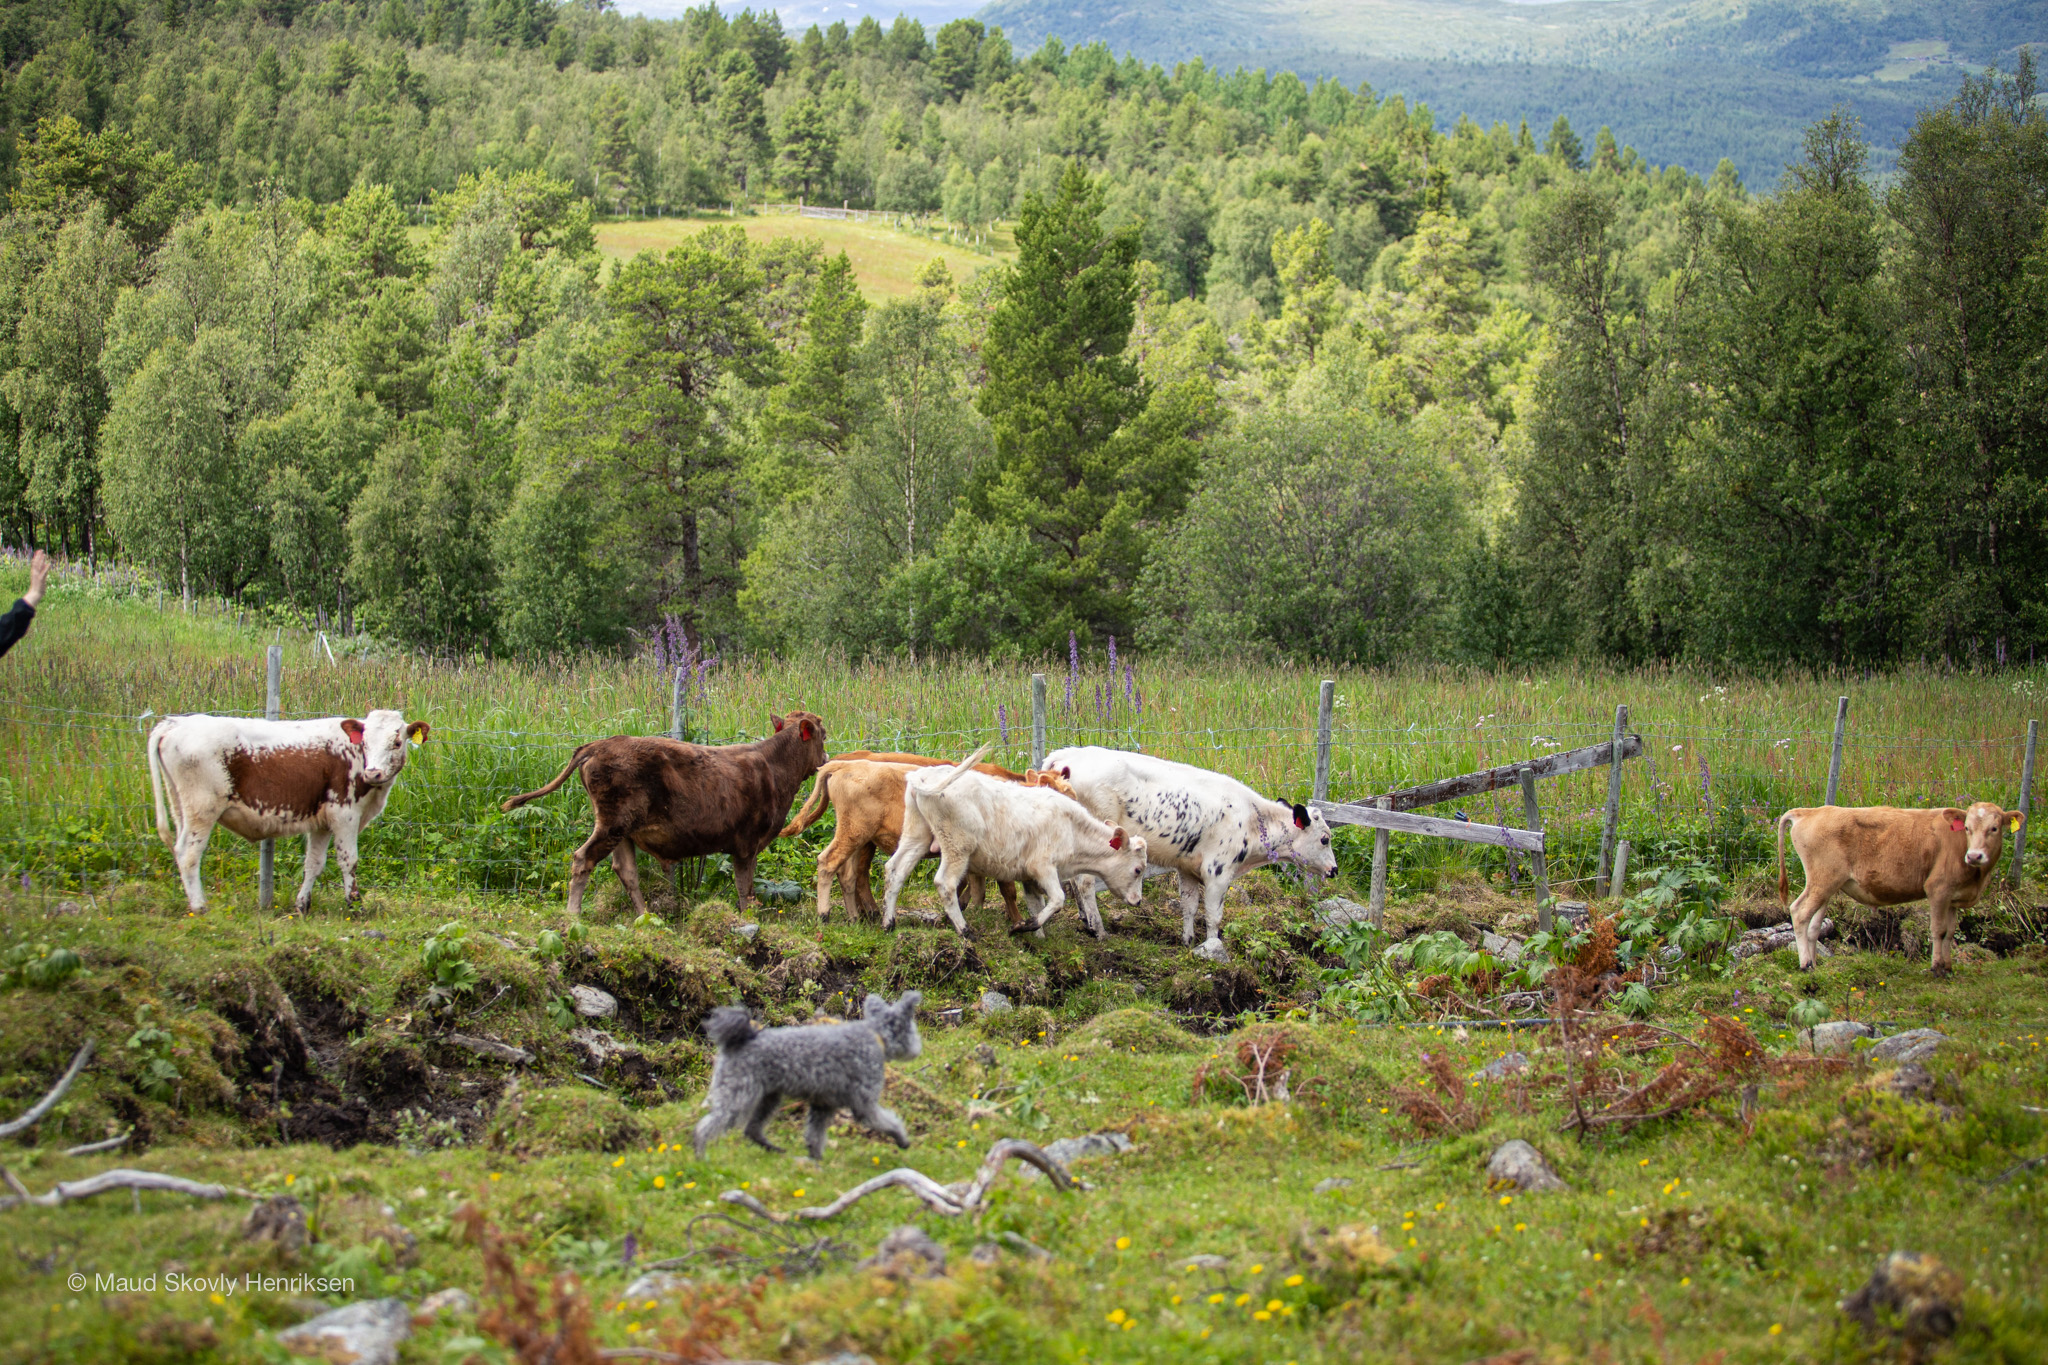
{"points": [[49, 1101], [65, 1191]]}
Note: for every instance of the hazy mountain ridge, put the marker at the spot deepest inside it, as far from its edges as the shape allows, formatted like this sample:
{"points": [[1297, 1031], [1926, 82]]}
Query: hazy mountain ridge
{"points": [[1685, 81]]}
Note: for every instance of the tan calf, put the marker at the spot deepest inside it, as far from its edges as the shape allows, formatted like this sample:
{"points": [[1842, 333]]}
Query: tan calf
{"points": [[868, 794], [1883, 855]]}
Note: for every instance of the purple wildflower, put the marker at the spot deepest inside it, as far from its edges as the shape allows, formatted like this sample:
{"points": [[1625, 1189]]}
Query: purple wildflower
{"points": [[1129, 681], [1100, 710], [1073, 667], [1003, 721], [1112, 656]]}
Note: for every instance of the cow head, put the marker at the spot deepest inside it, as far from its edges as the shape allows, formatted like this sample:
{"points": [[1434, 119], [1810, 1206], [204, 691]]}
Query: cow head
{"points": [[1307, 840], [809, 730], [1124, 865], [381, 735], [1046, 777], [1983, 828]]}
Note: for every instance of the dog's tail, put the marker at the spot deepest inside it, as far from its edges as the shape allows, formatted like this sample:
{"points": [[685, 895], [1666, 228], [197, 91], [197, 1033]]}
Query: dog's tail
{"points": [[730, 1027], [1785, 822], [964, 765], [576, 761], [814, 809], [156, 787]]}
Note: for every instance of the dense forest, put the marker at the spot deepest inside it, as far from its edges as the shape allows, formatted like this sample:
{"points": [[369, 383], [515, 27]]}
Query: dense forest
{"points": [[301, 305]]}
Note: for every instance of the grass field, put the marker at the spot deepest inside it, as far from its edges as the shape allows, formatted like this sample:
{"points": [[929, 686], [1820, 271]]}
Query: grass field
{"points": [[1723, 756], [885, 261], [306, 1055]]}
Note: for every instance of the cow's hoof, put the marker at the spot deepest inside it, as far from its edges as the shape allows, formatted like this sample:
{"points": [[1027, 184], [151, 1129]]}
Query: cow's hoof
{"points": [[1213, 950], [1019, 930]]}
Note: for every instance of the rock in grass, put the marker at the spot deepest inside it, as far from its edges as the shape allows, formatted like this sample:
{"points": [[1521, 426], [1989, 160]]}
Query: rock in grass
{"points": [[1914, 1045], [1506, 949], [656, 1285], [1337, 912], [994, 1002], [1502, 1067], [1837, 1036], [593, 1003], [280, 1219], [844, 1358], [908, 1253], [1515, 1162], [1911, 1295], [364, 1333], [445, 1303], [1335, 1182]]}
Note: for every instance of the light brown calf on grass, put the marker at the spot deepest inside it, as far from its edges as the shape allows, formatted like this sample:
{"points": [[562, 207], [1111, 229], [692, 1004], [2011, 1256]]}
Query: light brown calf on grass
{"points": [[867, 790], [1883, 855]]}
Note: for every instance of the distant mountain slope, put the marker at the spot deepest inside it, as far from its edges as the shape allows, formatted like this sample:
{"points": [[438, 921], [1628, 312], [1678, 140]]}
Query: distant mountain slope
{"points": [[1685, 81]]}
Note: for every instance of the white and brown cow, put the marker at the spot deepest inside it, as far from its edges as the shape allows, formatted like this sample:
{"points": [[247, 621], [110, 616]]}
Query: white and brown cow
{"points": [[1883, 855], [270, 779]]}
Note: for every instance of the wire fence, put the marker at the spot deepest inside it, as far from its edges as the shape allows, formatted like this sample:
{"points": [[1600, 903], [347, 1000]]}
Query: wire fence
{"points": [[76, 811]]}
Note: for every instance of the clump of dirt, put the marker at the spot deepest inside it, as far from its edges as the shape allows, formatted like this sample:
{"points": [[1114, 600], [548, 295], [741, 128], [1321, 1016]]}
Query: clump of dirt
{"points": [[1134, 1030], [1466, 906], [1689, 1236], [561, 1119]]}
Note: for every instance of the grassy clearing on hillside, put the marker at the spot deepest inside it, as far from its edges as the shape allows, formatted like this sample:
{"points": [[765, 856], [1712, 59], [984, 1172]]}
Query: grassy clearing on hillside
{"points": [[1680, 1239], [1723, 756], [885, 260]]}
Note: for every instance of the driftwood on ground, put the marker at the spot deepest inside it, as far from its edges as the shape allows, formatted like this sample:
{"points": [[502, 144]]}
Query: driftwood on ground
{"points": [[951, 1200], [49, 1101], [65, 1191]]}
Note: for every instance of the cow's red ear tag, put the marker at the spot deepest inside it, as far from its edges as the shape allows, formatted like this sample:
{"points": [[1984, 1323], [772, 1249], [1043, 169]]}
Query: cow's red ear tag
{"points": [[804, 730], [1116, 840], [354, 730], [1956, 825]]}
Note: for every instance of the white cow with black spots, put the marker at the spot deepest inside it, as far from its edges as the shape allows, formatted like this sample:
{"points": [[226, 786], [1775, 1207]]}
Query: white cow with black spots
{"points": [[1203, 825]]}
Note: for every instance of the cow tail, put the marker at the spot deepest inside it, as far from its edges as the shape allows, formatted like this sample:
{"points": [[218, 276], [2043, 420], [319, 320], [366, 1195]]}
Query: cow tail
{"points": [[575, 762], [729, 1027], [814, 809], [964, 765], [156, 788], [1784, 886]]}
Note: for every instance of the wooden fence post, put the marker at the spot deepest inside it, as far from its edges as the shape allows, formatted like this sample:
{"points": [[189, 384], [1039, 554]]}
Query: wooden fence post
{"points": [[1038, 720], [676, 731], [2019, 842], [1835, 761], [266, 857], [1619, 888], [1533, 820], [1325, 703], [1613, 825], [1376, 902]]}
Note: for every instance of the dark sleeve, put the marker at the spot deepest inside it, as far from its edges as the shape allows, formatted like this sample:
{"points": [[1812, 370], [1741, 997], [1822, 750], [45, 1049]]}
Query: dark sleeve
{"points": [[14, 624]]}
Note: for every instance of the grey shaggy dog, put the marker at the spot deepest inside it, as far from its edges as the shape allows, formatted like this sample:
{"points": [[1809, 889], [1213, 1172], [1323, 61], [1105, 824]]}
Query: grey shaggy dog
{"points": [[829, 1066]]}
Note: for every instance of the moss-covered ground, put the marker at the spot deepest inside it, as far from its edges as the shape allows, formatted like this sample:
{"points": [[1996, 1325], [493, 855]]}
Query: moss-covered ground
{"points": [[311, 1060]]}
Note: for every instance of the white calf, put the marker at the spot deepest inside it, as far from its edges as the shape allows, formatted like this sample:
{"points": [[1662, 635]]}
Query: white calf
{"points": [[1003, 832], [1203, 825], [269, 779]]}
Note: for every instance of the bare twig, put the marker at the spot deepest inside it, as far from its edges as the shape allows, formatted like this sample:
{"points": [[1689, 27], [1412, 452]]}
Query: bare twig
{"points": [[67, 1190], [49, 1101], [2013, 1170], [87, 1149], [1400, 1166], [490, 1047], [1670, 1033], [950, 1200]]}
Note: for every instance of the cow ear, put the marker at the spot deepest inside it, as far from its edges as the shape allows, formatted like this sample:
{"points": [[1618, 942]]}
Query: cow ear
{"points": [[775, 721], [1954, 818], [803, 731], [1116, 837], [1067, 772], [418, 730], [2016, 818], [1300, 816], [354, 730]]}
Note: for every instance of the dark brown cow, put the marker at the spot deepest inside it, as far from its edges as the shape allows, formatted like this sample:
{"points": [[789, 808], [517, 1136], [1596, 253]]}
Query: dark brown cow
{"points": [[686, 800], [1884, 855]]}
